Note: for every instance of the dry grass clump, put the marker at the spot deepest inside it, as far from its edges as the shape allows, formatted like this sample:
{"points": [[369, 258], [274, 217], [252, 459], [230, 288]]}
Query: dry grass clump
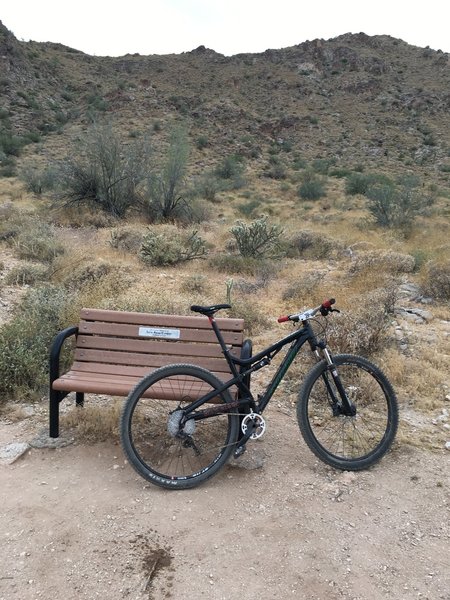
{"points": [[385, 262], [94, 423], [303, 288], [363, 327], [311, 245], [436, 280], [26, 274], [127, 238]]}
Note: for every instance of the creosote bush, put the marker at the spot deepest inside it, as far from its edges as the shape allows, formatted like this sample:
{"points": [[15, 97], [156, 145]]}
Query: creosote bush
{"points": [[170, 246], [436, 280]]}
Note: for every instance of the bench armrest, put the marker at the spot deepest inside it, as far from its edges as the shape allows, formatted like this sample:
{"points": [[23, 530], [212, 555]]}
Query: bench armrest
{"points": [[55, 351]]}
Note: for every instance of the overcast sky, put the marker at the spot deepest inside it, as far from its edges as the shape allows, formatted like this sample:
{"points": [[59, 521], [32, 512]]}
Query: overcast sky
{"points": [[112, 28]]}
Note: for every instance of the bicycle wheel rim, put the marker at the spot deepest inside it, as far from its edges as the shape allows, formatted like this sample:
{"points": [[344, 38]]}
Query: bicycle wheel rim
{"points": [[157, 453], [349, 442]]}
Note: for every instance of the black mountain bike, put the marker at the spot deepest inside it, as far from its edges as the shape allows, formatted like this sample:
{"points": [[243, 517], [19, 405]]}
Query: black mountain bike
{"points": [[347, 410]]}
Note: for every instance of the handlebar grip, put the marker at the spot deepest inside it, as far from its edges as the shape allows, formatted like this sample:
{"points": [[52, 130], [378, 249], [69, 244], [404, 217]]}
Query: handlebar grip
{"points": [[283, 319], [328, 303]]}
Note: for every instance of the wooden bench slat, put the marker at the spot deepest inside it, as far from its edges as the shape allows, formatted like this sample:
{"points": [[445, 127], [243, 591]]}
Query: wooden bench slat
{"points": [[152, 361], [120, 386], [132, 331], [152, 347], [159, 320]]}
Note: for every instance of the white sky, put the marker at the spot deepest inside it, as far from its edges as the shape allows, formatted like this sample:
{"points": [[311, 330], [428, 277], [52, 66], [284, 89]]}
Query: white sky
{"points": [[114, 28]]}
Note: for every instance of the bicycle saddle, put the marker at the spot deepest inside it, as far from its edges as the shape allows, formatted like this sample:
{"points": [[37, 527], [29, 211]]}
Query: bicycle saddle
{"points": [[209, 310]]}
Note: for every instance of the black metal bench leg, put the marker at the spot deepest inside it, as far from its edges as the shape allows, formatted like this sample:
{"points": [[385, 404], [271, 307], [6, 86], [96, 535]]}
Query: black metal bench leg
{"points": [[79, 398], [54, 413]]}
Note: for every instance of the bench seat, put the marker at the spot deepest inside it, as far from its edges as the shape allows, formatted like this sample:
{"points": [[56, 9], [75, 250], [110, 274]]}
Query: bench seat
{"points": [[115, 349]]}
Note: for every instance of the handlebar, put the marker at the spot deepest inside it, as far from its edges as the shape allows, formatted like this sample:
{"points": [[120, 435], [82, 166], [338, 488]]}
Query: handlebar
{"points": [[324, 309]]}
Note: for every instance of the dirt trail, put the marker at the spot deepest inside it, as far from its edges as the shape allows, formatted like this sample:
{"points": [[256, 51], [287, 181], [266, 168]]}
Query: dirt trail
{"points": [[77, 522]]}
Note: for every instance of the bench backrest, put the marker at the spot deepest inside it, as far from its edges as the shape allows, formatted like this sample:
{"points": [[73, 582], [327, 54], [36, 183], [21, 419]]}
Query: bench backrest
{"points": [[129, 343]]}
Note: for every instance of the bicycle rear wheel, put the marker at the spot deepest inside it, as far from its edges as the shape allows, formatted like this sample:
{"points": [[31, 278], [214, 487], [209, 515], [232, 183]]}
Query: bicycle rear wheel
{"points": [[348, 442], [159, 445]]}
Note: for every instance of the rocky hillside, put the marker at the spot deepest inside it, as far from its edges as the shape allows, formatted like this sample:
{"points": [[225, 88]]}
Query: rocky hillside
{"points": [[355, 98]]}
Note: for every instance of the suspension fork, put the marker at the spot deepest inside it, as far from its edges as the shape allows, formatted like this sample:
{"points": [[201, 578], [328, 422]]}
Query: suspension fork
{"points": [[344, 406]]}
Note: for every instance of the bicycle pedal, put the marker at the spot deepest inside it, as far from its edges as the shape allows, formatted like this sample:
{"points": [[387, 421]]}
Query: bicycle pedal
{"points": [[239, 451]]}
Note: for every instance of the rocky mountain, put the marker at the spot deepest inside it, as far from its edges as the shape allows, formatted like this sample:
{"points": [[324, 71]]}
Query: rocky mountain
{"points": [[356, 99]]}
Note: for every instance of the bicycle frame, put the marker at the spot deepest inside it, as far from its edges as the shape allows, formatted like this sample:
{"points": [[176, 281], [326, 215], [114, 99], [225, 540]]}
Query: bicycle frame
{"points": [[249, 365]]}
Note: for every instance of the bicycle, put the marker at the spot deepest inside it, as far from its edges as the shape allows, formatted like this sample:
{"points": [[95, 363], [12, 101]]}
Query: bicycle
{"points": [[347, 409]]}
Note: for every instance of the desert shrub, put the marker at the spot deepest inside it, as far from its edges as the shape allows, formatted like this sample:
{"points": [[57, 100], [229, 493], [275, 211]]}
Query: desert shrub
{"points": [[249, 208], [312, 187], [207, 187], [396, 206], [234, 263], [308, 244], [126, 238], [359, 183], [303, 288], [165, 248], [322, 165], [363, 329], [106, 173], [38, 180], [164, 199], [385, 262], [231, 170], [86, 275], [436, 280], [27, 274], [195, 284], [10, 222], [26, 339], [201, 142], [36, 240], [259, 239]]}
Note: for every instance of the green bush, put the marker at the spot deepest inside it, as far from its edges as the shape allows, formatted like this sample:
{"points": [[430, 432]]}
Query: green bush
{"points": [[164, 248], [106, 173], [25, 343], [396, 206], [259, 239], [359, 183], [312, 187]]}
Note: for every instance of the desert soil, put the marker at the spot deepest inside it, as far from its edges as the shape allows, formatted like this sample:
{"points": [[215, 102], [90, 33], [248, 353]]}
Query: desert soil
{"points": [[78, 522]]}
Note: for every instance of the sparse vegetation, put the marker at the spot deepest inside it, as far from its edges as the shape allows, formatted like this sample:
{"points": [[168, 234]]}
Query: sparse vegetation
{"points": [[25, 342], [169, 247], [260, 239]]}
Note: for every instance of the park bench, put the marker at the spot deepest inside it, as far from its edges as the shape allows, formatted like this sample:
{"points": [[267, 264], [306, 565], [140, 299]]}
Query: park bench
{"points": [[115, 349]]}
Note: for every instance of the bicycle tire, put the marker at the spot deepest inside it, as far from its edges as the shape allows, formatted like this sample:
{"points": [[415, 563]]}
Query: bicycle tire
{"points": [[356, 442], [147, 428]]}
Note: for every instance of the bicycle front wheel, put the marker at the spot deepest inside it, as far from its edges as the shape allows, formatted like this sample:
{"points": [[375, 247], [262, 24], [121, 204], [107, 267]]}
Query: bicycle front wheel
{"points": [[349, 442], [161, 446]]}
